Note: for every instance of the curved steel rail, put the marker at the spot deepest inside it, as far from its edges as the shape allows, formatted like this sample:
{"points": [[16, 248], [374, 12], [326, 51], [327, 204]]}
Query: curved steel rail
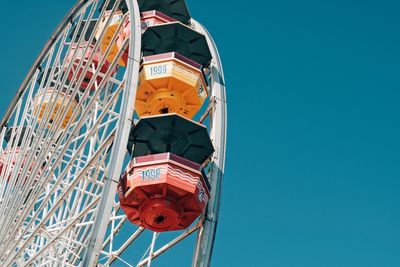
{"points": [[132, 78], [206, 236]]}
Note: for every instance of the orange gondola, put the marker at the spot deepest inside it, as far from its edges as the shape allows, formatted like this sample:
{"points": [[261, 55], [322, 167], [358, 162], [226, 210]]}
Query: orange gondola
{"points": [[64, 107], [170, 83], [114, 19]]}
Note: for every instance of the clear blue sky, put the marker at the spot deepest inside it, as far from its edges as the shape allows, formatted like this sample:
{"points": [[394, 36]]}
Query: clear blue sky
{"points": [[313, 174]]}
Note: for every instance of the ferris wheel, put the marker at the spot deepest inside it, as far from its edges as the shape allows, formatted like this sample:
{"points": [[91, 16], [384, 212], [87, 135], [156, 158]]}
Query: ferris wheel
{"points": [[113, 149]]}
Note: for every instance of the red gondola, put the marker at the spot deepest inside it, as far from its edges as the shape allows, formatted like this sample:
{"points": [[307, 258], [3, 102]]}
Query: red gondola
{"points": [[163, 192], [82, 55]]}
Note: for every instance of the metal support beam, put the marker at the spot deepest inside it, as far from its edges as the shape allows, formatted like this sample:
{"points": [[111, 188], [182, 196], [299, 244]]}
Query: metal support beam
{"points": [[119, 148], [205, 240]]}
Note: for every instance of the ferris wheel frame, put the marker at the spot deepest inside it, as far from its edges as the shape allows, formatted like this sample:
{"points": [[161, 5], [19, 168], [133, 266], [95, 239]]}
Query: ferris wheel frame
{"points": [[216, 110]]}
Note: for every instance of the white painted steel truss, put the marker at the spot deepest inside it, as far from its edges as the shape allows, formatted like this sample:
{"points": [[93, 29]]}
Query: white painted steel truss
{"points": [[58, 204]]}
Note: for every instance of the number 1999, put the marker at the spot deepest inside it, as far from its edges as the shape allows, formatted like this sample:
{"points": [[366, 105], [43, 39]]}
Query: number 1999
{"points": [[158, 70]]}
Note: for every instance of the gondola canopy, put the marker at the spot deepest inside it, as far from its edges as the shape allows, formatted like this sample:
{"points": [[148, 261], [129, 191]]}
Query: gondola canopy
{"points": [[122, 6], [176, 9], [176, 37], [171, 133], [9, 134], [89, 30]]}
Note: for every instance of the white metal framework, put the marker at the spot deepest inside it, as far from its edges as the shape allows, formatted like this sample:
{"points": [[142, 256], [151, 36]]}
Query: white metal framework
{"points": [[58, 203]]}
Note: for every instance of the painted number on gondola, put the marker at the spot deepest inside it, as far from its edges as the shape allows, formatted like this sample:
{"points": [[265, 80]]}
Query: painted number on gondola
{"points": [[151, 174], [201, 92], [202, 195], [116, 19], [158, 70]]}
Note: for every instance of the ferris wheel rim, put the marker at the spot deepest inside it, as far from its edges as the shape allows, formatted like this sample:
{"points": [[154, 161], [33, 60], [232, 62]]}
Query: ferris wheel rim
{"points": [[93, 253], [206, 237], [134, 60]]}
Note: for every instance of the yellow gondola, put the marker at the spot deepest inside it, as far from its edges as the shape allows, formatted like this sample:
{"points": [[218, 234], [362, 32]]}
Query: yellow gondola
{"points": [[170, 83], [109, 33], [148, 18], [62, 103]]}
